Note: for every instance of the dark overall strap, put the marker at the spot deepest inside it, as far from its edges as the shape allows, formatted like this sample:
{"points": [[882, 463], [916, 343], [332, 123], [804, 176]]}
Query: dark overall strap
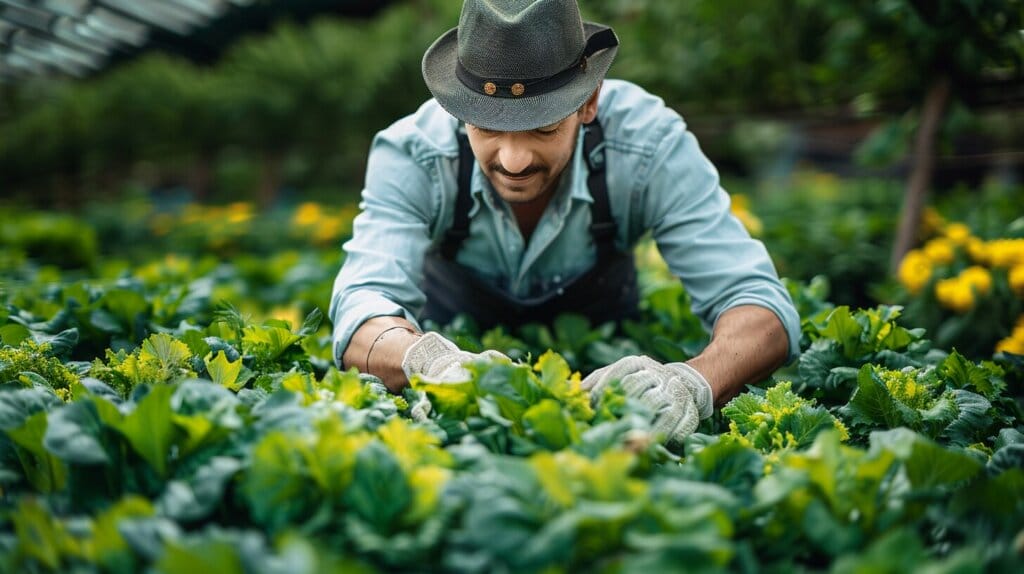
{"points": [[459, 230], [602, 228]]}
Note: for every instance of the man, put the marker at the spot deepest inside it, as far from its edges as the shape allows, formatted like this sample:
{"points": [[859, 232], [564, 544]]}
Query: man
{"points": [[518, 191]]}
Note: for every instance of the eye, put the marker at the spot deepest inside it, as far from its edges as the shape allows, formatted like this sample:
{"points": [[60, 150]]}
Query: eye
{"points": [[549, 130], [483, 131]]}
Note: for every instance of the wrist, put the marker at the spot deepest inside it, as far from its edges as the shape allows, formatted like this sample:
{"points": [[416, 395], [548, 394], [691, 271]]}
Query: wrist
{"points": [[700, 388]]}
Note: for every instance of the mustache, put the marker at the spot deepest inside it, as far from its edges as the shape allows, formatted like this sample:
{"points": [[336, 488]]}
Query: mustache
{"points": [[530, 170]]}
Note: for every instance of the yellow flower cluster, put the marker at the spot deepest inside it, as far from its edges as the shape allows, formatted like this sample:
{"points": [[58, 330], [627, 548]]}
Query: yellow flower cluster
{"points": [[953, 240], [1017, 280], [323, 226], [915, 271], [215, 222], [740, 208], [959, 293], [904, 387], [1015, 342], [234, 213], [1000, 253]]}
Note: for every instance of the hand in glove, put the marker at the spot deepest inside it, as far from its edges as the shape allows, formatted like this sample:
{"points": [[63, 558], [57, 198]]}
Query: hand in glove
{"points": [[678, 394], [440, 360]]}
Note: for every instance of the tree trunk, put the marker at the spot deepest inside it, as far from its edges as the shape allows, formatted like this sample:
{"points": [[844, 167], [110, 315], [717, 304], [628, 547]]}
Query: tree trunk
{"points": [[922, 167]]}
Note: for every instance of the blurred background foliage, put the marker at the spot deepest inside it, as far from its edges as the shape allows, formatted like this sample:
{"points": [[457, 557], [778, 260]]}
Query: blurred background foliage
{"points": [[812, 110], [294, 109]]}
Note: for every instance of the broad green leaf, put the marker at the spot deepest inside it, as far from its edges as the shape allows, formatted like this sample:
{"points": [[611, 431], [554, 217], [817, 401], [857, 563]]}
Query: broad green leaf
{"points": [[150, 429], [125, 304], [17, 405], [931, 466], [845, 330], [196, 496], [455, 400], [564, 385], [729, 464], [109, 548], [960, 373], [311, 323], [551, 478], [873, 405], [13, 334], [196, 341], [816, 363], [331, 458], [549, 426], [893, 553], [379, 492], [267, 342], [203, 556], [276, 486], [45, 472], [74, 433], [60, 344], [348, 387], [42, 536], [998, 498], [972, 418], [222, 371], [1007, 457], [828, 533], [413, 446], [168, 351]]}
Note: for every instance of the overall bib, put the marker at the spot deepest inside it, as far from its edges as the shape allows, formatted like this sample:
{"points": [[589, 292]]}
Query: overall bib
{"points": [[607, 292]]}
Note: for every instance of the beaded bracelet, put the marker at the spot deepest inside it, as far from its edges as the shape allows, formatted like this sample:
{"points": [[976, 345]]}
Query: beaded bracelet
{"points": [[378, 338]]}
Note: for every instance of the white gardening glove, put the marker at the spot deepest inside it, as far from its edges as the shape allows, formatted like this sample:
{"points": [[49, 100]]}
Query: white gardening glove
{"points": [[678, 394], [440, 360]]}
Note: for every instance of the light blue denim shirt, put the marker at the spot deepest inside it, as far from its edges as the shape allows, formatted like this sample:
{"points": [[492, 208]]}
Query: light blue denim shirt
{"points": [[658, 181]]}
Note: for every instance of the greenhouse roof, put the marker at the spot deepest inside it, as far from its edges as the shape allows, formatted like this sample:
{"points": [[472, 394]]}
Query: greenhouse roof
{"points": [[80, 37]]}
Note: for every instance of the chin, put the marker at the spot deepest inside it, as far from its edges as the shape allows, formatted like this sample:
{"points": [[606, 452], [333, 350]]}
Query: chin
{"points": [[519, 196]]}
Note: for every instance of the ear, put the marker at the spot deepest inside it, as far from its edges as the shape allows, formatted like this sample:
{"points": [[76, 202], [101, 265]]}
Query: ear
{"points": [[589, 110]]}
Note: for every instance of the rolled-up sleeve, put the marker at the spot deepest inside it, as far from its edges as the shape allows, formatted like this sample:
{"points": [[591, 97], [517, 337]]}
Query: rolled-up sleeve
{"points": [[708, 248], [383, 263]]}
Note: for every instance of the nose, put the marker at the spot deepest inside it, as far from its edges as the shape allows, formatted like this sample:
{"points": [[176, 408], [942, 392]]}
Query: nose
{"points": [[513, 155]]}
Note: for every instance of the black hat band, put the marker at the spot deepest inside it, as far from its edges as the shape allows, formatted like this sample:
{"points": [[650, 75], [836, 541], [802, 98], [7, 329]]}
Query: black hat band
{"points": [[505, 88]]}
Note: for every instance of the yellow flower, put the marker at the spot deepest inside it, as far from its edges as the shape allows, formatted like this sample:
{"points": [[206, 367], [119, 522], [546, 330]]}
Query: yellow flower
{"points": [[1017, 279], [978, 278], [1011, 344], [915, 271], [939, 250], [1005, 252], [955, 294], [290, 314], [740, 207], [307, 214], [958, 233], [976, 249], [239, 212]]}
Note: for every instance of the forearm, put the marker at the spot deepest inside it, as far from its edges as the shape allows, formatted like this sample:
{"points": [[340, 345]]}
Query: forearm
{"points": [[378, 347], [748, 344]]}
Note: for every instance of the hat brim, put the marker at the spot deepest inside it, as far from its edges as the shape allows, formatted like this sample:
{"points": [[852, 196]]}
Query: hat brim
{"points": [[509, 114]]}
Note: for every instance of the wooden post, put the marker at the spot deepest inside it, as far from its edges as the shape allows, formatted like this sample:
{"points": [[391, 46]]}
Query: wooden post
{"points": [[922, 168]]}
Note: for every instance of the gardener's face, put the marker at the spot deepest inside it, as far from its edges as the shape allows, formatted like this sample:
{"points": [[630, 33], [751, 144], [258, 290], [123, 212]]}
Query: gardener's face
{"points": [[525, 166]]}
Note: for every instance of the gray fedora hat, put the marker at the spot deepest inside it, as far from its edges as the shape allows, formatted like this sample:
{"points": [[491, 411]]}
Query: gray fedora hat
{"points": [[516, 65]]}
